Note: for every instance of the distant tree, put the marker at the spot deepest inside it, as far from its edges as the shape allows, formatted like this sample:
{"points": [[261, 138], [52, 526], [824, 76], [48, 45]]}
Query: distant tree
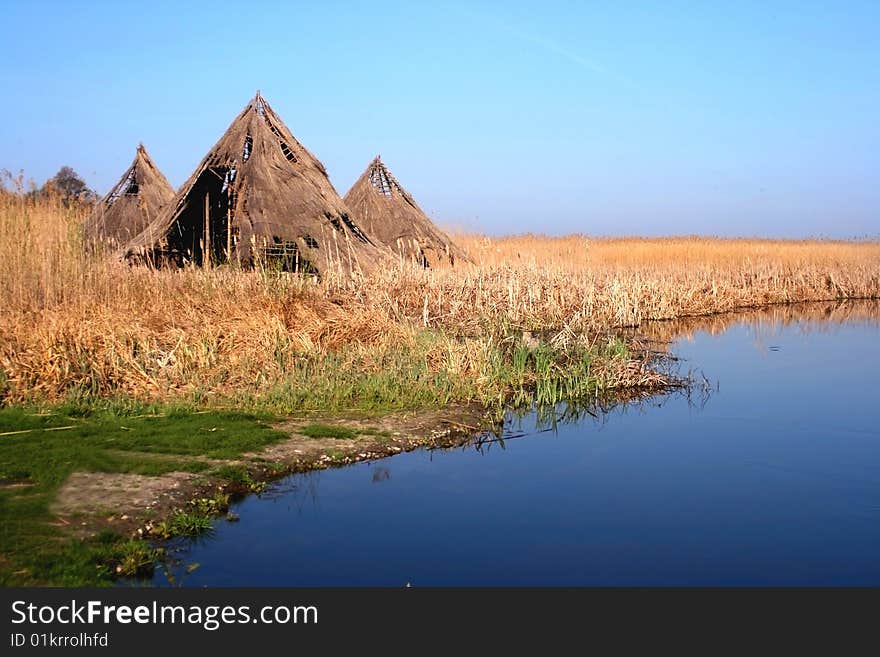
{"points": [[11, 183], [69, 186]]}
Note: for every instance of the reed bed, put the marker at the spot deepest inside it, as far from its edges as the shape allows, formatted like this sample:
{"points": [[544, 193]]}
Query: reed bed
{"points": [[599, 283], [74, 324]]}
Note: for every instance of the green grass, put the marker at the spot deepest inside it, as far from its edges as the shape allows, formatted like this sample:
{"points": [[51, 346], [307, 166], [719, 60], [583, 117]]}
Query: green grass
{"points": [[210, 506], [239, 476], [372, 431], [76, 439], [336, 455], [185, 523], [513, 374], [345, 381], [94, 561], [328, 431]]}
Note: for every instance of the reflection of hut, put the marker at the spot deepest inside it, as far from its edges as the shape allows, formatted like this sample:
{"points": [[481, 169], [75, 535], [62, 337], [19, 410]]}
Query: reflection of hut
{"points": [[257, 196], [389, 214], [137, 199]]}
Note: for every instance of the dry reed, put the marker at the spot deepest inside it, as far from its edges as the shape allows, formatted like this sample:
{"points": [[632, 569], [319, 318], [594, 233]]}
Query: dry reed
{"points": [[72, 322]]}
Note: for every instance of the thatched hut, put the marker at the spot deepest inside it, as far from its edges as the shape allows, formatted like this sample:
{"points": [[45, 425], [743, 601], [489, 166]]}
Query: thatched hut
{"points": [[137, 199], [386, 211], [258, 196]]}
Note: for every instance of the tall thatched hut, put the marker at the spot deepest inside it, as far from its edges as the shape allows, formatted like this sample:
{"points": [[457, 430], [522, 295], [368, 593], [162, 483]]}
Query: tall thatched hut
{"points": [[257, 196], [391, 216], [137, 199]]}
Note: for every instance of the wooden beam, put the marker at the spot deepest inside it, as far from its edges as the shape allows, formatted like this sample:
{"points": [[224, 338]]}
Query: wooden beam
{"points": [[206, 252], [228, 229]]}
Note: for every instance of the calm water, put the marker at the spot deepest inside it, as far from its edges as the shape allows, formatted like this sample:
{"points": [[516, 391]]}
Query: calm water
{"points": [[774, 480]]}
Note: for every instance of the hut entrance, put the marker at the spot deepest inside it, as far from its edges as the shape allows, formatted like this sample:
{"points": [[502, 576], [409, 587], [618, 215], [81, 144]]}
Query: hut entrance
{"points": [[203, 231]]}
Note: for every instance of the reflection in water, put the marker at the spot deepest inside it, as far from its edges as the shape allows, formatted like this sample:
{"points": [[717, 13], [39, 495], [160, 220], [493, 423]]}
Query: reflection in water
{"points": [[598, 412], [380, 474], [767, 476], [769, 320]]}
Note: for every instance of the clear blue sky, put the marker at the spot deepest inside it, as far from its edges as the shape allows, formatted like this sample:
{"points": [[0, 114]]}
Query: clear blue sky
{"points": [[730, 118]]}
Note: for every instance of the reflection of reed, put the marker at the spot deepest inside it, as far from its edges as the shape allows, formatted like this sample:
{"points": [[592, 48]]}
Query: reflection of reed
{"points": [[381, 474], [808, 317], [695, 389]]}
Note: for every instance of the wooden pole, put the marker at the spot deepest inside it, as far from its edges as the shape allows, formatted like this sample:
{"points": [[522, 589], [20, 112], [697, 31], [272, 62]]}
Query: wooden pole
{"points": [[228, 231], [206, 252]]}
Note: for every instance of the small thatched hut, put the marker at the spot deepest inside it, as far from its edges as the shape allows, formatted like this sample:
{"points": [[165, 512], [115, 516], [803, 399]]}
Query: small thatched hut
{"points": [[389, 214], [137, 199], [257, 196]]}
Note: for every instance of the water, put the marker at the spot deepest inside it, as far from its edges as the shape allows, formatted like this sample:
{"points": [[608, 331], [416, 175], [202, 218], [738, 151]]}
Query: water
{"points": [[774, 480]]}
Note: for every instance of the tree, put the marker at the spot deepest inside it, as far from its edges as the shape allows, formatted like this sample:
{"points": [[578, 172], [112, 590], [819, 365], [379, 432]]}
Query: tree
{"points": [[67, 184]]}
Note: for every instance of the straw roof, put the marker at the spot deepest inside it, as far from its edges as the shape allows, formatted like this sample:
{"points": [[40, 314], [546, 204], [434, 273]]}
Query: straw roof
{"points": [[257, 196], [140, 195], [389, 214]]}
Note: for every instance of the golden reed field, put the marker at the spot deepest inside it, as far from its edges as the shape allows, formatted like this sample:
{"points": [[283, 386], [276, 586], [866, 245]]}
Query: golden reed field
{"points": [[69, 321]]}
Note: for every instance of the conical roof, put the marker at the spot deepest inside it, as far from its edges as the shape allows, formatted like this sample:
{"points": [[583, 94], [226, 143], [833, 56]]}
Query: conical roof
{"points": [[140, 195], [387, 212], [258, 196]]}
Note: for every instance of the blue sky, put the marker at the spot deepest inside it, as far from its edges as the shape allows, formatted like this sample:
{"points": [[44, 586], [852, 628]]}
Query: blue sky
{"points": [[650, 118]]}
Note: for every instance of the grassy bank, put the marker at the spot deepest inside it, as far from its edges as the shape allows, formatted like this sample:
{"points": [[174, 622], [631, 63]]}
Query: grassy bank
{"points": [[39, 450]]}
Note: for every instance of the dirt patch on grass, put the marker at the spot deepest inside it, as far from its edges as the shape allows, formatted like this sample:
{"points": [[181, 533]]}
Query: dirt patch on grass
{"points": [[90, 500]]}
